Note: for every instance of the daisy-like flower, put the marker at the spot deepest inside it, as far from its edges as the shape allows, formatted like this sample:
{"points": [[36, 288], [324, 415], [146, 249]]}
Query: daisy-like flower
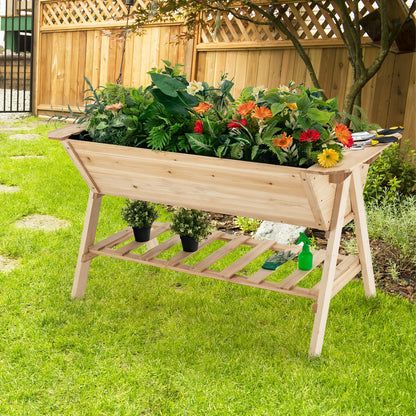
{"points": [[282, 140], [344, 135], [258, 90], [194, 87], [328, 158], [309, 136], [262, 112], [284, 88], [202, 107], [246, 108], [292, 106], [114, 107], [237, 124], [198, 128]]}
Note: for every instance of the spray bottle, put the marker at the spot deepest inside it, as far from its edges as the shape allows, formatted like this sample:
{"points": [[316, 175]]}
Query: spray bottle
{"points": [[305, 258]]}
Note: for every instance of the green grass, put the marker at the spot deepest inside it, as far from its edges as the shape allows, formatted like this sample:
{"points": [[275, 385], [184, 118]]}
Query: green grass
{"points": [[146, 341]]}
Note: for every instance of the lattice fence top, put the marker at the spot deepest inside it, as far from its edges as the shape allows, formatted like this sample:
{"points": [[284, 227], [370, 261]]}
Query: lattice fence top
{"points": [[303, 18], [72, 12]]}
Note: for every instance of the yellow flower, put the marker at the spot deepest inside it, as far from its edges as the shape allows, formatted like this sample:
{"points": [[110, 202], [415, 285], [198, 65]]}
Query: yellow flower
{"points": [[328, 158], [292, 106]]}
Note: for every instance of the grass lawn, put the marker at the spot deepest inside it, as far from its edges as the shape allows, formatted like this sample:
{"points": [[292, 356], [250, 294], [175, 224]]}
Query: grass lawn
{"points": [[146, 341]]}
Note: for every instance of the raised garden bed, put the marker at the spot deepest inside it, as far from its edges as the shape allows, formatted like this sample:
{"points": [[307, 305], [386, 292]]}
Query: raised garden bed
{"points": [[317, 197]]}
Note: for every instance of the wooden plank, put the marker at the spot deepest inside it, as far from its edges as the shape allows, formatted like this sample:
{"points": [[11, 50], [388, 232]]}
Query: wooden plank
{"points": [[113, 240], [220, 253], [261, 275], [296, 276], [160, 248], [183, 255], [409, 118], [328, 273], [363, 243], [88, 237], [247, 258]]}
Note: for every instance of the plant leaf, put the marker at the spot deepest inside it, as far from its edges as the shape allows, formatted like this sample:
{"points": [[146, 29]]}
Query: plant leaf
{"points": [[321, 117], [200, 144], [166, 84]]}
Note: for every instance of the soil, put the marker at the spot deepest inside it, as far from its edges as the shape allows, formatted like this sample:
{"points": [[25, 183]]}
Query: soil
{"points": [[398, 280]]}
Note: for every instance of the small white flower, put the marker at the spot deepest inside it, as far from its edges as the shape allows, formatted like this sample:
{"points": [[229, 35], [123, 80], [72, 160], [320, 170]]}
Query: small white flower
{"points": [[258, 90], [194, 87], [284, 88]]}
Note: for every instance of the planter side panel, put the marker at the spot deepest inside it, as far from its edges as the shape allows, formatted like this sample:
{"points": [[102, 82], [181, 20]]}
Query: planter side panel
{"points": [[267, 192]]}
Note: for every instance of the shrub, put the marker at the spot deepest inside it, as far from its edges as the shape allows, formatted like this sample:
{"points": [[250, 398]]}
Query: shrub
{"points": [[139, 214], [190, 223], [392, 176], [247, 225]]}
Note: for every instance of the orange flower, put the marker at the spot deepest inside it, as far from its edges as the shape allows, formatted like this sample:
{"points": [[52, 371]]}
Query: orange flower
{"points": [[202, 107], [246, 108], [262, 113], [283, 141], [344, 135], [292, 106]]}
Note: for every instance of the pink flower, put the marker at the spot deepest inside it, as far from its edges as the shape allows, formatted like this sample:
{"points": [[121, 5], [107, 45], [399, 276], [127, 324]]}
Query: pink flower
{"points": [[198, 128], [237, 124], [113, 107], [309, 136]]}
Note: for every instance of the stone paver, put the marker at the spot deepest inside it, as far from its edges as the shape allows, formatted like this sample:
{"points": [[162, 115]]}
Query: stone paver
{"points": [[23, 136], [7, 264], [41, 222], [8, 189]]}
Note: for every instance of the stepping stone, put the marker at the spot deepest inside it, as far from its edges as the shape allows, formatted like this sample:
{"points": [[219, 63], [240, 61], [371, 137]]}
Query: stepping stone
{"points": [[281, 233], [23, 136], [8, 189], [42, 222], [7, 264]]}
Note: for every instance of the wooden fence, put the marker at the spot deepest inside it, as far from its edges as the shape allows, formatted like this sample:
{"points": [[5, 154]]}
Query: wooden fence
{"points": [[74, 40]]}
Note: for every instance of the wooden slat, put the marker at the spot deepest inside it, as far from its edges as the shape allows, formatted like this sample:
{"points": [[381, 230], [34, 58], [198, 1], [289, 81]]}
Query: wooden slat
{"points": [[183, 255], [247, 258], [220, 253], [296, 276], [261, 275], [114, 239], [154, 252]]}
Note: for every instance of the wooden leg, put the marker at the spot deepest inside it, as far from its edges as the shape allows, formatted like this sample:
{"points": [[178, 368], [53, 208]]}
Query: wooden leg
{"points": [[364, 252], [88, 238], [328, 273]]}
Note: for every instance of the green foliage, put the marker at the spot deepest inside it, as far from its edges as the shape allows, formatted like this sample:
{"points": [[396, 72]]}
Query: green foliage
{"points": [[140, 214], [361, 123], [190, 223], [247, 225], [167, 131], [394, 222], [123, 125], [393, 175]]}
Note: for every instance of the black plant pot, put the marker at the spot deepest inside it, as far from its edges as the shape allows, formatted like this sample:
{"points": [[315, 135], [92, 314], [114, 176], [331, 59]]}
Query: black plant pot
{"points": [[189, 244], [141, 234]]}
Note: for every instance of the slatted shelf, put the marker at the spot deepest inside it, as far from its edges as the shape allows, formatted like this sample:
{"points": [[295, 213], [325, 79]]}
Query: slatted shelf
{"points": [[113, 247]]}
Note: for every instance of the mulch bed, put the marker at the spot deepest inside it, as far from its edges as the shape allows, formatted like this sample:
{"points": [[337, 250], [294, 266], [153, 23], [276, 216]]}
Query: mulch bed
{"points": [[401, 283]]}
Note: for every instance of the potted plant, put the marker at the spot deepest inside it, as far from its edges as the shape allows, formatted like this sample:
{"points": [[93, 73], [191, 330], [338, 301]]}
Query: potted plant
{"points": [[140, 215], [192, 226]]}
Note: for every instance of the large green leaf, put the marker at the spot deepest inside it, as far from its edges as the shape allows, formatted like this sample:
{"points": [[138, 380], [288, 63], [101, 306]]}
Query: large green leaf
{"points": [[321, 117], [172, 105], [303, 103], [166, 84], [201, 144], [277, 108]]}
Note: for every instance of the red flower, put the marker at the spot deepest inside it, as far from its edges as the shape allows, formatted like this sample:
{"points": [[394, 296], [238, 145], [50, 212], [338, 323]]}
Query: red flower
{"points": [[344, 135], [309, 136], [237, 124], [198, 127]]}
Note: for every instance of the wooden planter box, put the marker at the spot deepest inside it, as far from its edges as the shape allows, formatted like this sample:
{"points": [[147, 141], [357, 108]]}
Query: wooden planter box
{"points": [[324, 199]]}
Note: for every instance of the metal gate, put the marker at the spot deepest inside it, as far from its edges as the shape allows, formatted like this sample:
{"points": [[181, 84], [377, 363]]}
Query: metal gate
{"points": [[16, 40]]}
